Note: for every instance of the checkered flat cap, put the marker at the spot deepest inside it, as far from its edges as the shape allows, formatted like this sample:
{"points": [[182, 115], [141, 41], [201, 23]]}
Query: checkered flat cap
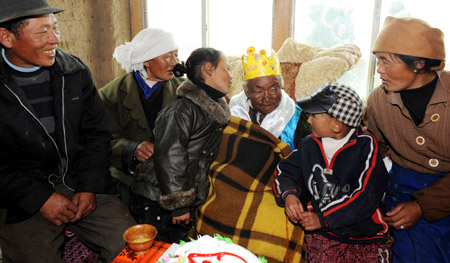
{"points": [[338, 100]]}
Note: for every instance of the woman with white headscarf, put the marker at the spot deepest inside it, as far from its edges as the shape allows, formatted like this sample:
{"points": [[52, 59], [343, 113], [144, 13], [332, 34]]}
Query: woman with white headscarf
{"points": [[132, 101]]}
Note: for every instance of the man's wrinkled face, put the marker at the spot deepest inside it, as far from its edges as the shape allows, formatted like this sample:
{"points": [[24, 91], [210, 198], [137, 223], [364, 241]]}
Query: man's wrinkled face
{"points": [[264, 93]]}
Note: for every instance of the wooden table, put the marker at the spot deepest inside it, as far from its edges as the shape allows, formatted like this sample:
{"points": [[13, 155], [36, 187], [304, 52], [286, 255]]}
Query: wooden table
{"points": [[155, 252]]}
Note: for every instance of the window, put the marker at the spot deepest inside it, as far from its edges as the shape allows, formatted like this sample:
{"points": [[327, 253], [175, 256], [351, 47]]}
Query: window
{"points": [[328, 23], [180, 17], [234, 25], [231, 26]]}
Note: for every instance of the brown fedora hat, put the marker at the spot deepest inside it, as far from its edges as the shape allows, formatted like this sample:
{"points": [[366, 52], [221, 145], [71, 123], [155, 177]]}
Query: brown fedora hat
{"points": [[13, 9]]}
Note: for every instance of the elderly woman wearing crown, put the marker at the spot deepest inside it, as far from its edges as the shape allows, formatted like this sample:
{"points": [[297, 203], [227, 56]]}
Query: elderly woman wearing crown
{"points": [[264, 101]]}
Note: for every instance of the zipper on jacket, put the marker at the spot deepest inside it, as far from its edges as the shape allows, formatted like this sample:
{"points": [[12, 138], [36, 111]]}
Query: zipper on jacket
{"points": [[63, 165], [64, 136]]}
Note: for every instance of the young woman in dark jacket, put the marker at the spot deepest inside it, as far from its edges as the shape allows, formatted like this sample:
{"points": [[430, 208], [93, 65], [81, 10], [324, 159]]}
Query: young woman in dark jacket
{"points": [[187, 136]]}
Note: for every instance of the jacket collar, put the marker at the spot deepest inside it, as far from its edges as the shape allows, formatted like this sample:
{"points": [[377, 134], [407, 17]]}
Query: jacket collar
{"points": [[65, 64], [217, 110], [132, 101]]}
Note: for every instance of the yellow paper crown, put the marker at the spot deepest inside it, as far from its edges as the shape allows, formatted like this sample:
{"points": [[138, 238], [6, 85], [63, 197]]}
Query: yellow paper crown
{"points": [[260, 65]]}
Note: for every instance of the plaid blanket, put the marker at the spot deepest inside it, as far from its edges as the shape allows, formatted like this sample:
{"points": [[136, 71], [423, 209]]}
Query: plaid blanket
{"points": [[240, 204]]}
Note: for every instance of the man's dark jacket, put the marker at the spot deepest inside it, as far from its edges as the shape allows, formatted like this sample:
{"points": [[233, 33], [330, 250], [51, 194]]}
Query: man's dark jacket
{"points": [[31, 160]]}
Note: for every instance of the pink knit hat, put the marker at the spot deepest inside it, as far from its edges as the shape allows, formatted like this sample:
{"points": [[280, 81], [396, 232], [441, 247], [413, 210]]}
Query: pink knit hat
{"points": [[411, 37]]}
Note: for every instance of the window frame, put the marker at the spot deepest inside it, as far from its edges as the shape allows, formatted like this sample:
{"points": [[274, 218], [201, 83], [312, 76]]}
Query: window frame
{"points": [[283, 27]]}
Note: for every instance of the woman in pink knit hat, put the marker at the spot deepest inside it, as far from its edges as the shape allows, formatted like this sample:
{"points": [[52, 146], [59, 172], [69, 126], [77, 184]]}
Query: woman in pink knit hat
{"points": [[409, 116]]}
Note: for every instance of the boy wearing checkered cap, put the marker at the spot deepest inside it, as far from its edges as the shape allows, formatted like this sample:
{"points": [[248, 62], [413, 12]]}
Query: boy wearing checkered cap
{"points": [[340, 178]]}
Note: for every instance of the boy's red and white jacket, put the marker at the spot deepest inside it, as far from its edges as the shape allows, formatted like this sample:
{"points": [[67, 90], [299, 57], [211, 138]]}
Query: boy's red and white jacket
{"points": [[346, 193]]}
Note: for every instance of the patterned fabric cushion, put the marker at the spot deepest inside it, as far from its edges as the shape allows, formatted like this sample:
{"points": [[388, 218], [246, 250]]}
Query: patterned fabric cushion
{"points": [[75, 251], [289, 71]]}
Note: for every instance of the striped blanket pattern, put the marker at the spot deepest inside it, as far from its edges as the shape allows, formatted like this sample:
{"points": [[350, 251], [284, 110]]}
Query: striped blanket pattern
{"points": [[240, 204]]}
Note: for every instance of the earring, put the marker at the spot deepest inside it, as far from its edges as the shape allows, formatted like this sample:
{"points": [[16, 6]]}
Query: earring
{"points": [[415, 70]]}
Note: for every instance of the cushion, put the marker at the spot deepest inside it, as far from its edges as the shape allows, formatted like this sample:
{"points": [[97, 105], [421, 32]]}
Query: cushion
{"points": [[289, 71]]}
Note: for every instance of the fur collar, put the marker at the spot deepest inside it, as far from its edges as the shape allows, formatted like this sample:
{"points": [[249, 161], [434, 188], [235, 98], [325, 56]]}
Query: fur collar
{"points": [[217, 110]]}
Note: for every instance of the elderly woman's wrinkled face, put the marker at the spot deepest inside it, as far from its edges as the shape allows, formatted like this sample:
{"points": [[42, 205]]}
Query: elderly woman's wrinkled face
{"points": [[394, 73], [160, 68], [264, 93]]}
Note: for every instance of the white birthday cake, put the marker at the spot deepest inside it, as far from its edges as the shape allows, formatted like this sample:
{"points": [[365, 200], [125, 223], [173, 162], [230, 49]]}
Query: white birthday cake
{"points": [[211, 249]]}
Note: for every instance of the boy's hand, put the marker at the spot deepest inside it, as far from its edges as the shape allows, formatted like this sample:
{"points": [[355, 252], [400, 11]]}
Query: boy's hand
{"points": [[310, 221], [293, 208]]}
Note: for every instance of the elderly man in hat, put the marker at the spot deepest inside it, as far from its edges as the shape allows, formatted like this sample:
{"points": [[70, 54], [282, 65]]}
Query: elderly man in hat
{"points": [[264, 101], [55, 144]]}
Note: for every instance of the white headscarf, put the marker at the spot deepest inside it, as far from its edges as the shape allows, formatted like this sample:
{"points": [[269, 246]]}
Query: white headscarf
{"points": [[146, 45]]}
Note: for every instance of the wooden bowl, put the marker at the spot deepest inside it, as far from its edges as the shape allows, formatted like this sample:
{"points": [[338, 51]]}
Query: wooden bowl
{"points": [[140, 237]]}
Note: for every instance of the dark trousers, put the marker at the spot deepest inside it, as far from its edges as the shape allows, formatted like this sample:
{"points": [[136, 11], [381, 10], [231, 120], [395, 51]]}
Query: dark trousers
{"points": [[38, 240], [146, 211]]}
